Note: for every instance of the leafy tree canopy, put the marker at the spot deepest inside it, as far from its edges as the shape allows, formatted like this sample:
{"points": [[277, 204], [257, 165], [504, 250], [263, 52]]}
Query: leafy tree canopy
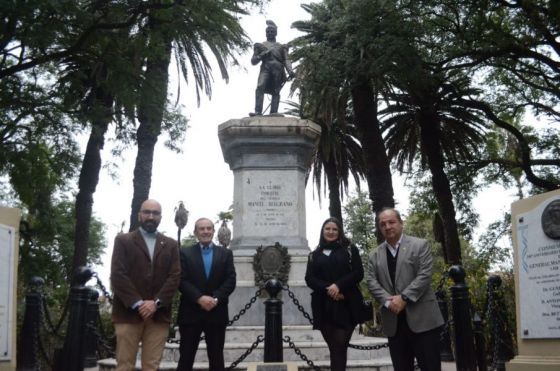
{"points": [[47, 250]]}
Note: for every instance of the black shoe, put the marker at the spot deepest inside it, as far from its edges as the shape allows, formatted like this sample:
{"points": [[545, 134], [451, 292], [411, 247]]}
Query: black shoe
{"points": [[253, 114]]}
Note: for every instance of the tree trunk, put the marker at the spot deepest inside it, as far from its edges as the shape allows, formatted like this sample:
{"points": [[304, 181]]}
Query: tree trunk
{"points": [[150, 115], [431, 147], [378, 171], [89, 176], [333, 181]]}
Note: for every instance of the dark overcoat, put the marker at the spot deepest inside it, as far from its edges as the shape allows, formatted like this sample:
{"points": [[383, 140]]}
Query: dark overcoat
{"points": [[194, 284], [346, 272]]}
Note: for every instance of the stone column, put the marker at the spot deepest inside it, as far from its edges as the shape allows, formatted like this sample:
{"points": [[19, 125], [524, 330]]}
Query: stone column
{"points": [[270, 157]]}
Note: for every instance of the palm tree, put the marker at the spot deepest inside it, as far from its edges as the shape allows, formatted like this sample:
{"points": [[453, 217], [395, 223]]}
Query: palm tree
{"points": [[426, 120], [189, 32], [334, 53], [97, 83], [339, 153], [151, 106]]}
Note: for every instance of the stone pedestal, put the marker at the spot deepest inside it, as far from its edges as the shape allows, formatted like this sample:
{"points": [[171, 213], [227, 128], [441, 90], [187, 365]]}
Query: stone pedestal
{"points": [[537, 282], [269, 157]]}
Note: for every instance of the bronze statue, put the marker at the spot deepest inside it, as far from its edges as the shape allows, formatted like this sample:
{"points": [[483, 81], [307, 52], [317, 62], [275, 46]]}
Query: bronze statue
{"points": [[274, 58]]}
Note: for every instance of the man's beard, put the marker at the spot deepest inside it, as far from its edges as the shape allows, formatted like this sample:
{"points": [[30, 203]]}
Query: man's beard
{"points": [[149, 226]]}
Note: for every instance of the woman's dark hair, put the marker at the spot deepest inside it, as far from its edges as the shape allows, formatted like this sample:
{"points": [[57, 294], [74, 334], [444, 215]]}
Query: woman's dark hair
{"points": [[342, 239]]}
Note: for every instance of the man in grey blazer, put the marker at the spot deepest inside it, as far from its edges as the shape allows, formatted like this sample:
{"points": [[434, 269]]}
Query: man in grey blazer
{"points": [[399, 277]]}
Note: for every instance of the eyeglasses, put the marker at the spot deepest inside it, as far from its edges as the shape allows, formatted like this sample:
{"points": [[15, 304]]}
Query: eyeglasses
{"points": [[150, 212]]}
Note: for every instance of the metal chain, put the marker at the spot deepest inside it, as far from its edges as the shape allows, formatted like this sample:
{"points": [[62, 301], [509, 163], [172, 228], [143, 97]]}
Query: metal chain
{"points": [[497, 312], [487, 314], [369, 347], [440, 294], [306, 315], [445, 329], [44, 352], [48, 324], [40, 344], [293, 346], [253, 346], [300, 307], [443, 279], [246, 308], [235, 318], [103, 344], [103, 289]]}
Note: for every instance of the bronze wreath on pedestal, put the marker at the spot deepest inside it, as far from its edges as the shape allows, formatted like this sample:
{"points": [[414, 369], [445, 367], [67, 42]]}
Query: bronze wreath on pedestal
{"points": [[271, 262]]}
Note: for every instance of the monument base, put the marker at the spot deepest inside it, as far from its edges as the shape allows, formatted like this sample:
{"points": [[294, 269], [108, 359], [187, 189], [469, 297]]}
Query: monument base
{"points": [[246, 289], [533, 363], [270, 157]]}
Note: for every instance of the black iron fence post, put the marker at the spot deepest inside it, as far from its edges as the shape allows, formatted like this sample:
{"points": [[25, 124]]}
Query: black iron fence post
{"points": [[92, 313], [273, 351], [73, 352], [445, 338], [461, 309], [28, 352]]}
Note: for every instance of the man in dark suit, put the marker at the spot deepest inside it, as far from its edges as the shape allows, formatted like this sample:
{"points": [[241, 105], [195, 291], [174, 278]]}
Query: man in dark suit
{"points": [[399, 277], [207, 280], [145, 272]]}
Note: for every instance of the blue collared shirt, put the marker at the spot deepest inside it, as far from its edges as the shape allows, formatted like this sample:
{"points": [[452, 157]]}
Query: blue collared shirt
{"points": [[207, 255]]}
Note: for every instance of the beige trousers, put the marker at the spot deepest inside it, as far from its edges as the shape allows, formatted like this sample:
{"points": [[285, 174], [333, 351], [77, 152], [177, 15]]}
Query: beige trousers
{"points": [[152, 335]]}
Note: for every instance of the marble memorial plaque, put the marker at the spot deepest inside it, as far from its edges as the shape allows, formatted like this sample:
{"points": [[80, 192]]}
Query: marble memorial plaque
{"points": [[7, 264], [539, 274], [270, 203]]}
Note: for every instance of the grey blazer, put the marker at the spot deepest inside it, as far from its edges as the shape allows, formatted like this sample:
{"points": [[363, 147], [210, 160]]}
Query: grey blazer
{"points": [[413, 278]]}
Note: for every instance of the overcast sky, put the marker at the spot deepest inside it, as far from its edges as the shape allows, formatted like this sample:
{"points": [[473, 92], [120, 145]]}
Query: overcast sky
{"points": [[199, 176]]}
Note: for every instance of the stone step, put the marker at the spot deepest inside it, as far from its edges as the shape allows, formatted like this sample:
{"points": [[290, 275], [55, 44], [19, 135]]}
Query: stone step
{"points": [[314, 350], [248, 334], [377, 364]]}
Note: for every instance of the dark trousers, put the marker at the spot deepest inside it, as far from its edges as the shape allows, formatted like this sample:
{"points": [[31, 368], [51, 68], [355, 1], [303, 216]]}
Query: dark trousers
{"points": [[215, 336], [407, 345], [337, 339]]}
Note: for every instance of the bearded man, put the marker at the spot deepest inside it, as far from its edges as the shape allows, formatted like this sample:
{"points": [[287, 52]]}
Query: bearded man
{"points": [[145, 273]]}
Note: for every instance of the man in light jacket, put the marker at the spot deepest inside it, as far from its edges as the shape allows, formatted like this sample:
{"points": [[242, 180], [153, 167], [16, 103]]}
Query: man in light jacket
{"points": [[399, 277]]}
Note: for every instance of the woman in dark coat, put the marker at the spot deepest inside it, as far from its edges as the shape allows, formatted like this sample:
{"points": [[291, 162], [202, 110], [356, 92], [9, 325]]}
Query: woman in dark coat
{"points": [[334, 271]]}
